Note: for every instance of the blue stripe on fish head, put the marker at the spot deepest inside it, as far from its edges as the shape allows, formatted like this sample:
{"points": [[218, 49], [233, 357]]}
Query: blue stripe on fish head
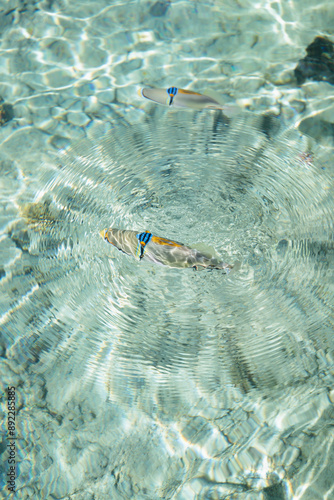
{"points": [[172, 91], [147, 238], [143, 240], [144, 237]]}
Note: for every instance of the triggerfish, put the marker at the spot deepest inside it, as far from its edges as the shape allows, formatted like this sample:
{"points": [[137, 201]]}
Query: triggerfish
{"points": [[180, 98], [143, 245]]}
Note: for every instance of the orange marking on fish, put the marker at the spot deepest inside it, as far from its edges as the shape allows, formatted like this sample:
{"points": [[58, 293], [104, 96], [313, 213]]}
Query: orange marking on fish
{"points": [[107, 238], [183, 91], [164, 241]]}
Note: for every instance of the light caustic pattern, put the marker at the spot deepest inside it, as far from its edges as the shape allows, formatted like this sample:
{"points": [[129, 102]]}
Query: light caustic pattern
{"points": [[167, 340], [240, 188]]}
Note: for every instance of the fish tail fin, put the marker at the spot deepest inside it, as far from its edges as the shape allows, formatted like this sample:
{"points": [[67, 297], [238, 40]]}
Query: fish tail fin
{"points": [[233, 269], [223, 266], [231, 110]]}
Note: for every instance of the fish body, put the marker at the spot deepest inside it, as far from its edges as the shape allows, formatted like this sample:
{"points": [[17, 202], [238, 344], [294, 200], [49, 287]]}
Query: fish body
{"points": [[144, 245], [180, 98]]}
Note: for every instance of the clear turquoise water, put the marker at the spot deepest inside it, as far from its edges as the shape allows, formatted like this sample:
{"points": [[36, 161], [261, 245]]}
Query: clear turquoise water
{"points": [[140, 381]]}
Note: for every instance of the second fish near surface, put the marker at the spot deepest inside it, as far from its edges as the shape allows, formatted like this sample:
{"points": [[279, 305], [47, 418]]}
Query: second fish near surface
{"points": [[143, 245], [180, 98]]}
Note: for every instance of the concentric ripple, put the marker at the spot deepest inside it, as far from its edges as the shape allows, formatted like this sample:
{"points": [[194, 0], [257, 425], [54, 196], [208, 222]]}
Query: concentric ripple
{"points": [[244, 188]]}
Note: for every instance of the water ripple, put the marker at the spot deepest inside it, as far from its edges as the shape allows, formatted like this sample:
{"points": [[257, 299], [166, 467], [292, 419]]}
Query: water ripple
{"points": [[196, 178]]}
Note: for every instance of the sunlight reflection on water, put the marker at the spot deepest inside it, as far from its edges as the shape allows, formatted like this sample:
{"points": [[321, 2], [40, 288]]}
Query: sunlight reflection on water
{"points": [[230, 186]]}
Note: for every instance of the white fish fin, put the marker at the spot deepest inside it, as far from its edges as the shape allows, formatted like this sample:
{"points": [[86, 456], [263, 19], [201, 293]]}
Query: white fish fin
{"points": [[231, 110], [206, 250], [236, 266]]}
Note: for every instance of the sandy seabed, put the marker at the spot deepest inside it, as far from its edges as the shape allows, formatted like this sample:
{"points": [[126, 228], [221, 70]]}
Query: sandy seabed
{"points": [[86, 429]]}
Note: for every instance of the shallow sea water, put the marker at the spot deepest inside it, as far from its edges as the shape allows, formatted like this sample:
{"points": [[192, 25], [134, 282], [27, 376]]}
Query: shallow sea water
{"points": [[135, 380]]}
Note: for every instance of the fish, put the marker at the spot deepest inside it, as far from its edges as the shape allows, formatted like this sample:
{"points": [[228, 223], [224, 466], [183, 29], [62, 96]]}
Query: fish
{"points": [[180, 98], [145, 246]]}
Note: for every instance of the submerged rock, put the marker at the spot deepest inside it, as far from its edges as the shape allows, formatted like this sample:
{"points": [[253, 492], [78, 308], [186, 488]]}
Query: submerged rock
{"points": [[318, 65], [276, 491], [6, 113], [159, 8]]}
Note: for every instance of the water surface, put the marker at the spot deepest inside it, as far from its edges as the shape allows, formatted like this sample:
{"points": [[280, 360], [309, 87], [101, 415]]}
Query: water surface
{"points": [[136, 380]]}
